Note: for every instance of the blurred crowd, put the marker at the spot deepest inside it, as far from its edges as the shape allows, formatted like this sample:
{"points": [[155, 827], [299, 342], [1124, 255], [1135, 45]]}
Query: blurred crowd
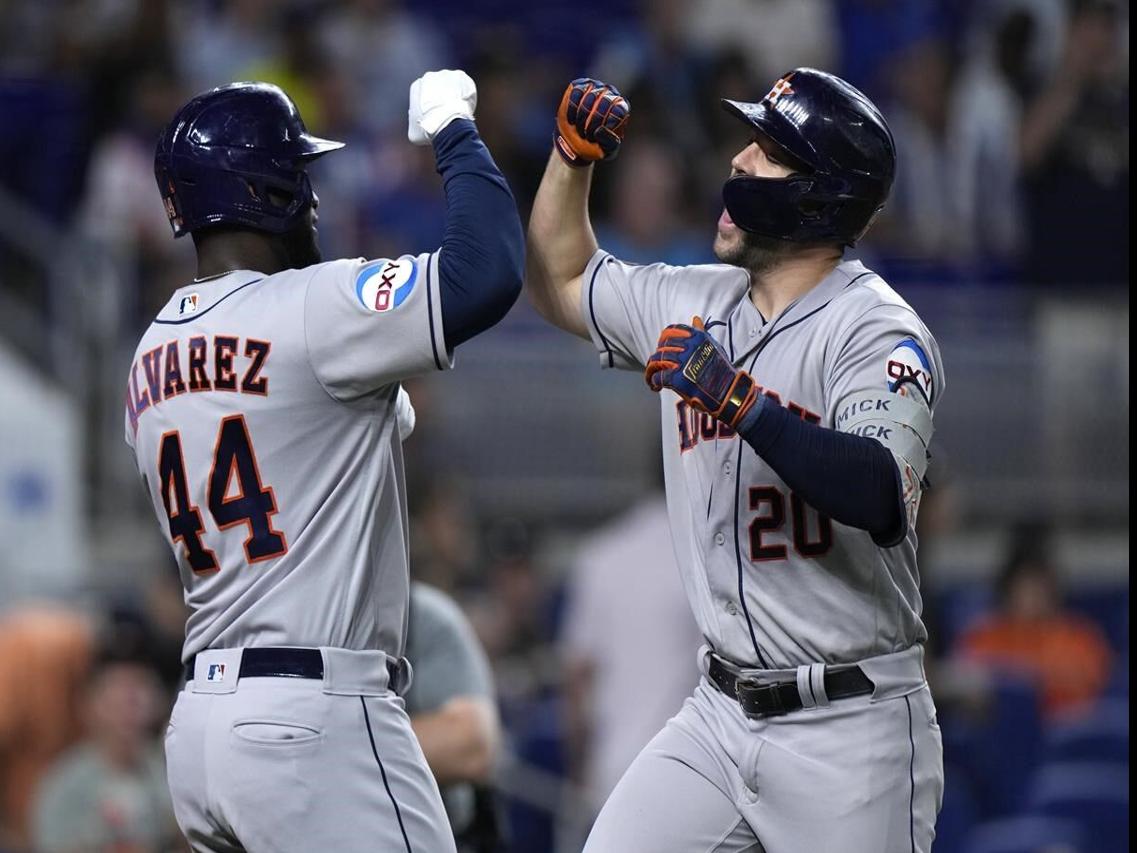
{"points": [[1011, 118]]}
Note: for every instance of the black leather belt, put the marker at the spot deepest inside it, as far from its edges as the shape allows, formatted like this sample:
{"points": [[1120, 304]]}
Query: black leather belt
{"points": [[782, 697], [272, 662]]}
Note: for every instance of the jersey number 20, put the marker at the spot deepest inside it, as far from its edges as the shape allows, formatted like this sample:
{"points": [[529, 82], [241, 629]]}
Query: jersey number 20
{"points": [[253, 504]]}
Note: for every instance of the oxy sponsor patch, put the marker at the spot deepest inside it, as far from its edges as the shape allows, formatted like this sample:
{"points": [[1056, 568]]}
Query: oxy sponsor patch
{"points": [[908, 368], [384, 285]]}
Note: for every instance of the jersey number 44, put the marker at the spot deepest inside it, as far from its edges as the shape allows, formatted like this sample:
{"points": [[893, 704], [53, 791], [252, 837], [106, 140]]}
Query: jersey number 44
{"points": [[252, 503]]}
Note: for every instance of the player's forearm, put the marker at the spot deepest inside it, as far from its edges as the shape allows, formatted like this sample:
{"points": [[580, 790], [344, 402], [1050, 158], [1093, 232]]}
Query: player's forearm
{"points": [[481, 261], [459, 740], [561, 242], [852, 479]]}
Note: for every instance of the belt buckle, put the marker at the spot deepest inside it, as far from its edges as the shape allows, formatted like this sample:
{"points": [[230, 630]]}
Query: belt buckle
{"points": [[760, 692]]}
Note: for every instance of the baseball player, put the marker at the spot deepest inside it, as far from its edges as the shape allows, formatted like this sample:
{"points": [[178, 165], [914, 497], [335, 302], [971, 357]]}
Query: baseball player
{"points": [[262, 410], [797, 391]]}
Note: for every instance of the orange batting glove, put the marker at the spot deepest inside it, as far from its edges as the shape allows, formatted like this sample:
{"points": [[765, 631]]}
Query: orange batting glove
{"points": [[590, 122]]}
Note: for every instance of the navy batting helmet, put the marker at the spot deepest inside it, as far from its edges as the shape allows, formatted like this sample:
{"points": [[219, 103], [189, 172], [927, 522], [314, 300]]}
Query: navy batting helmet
{"points": [[845, 151], [236, 155]]}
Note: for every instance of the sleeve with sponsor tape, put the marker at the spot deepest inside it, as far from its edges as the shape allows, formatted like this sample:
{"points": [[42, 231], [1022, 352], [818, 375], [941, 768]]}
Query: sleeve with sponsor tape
{"points": [[625, 306], [370, 323], [884, 383]]}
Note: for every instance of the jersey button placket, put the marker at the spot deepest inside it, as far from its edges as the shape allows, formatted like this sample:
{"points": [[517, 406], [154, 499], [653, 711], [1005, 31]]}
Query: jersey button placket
{"points": [[720, 538]]}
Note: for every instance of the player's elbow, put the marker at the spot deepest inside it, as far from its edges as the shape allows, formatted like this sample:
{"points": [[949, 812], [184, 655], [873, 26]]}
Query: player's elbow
{"points": [[504, 274], [480, 758], [477, 720], [553, 295], [468, 751], [479, 284]]}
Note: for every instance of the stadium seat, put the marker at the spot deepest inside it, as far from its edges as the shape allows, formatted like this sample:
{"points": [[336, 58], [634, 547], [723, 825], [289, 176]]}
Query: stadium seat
{"points": [[959, 812], [1095, 794], [1101, 736], [1024, 834], [959, 607], [1118, 686], [1000, 751], [1108, 607]]}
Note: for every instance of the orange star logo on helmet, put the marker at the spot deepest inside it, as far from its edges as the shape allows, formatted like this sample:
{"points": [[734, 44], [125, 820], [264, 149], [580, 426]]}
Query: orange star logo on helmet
{"points": [[782, 87]]}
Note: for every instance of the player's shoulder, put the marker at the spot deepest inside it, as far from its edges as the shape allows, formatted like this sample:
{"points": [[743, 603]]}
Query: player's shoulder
{"points": [[708, 278], [867, 290], [377, 284], [431, 606], [866, 299]]}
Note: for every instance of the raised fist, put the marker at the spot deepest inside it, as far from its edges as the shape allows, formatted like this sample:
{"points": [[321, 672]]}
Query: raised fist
{"points": [[590, 122], [436, 99]]}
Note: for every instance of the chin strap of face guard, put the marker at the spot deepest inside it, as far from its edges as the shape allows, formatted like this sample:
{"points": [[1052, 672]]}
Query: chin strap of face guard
{"points": [[799, 208]]}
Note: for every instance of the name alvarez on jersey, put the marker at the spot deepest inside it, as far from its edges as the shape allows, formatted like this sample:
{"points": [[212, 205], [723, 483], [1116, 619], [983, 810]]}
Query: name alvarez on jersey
{"points": [[215, 365]]}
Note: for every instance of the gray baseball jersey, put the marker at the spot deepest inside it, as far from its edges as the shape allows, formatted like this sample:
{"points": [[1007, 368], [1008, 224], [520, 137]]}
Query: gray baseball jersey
{"points": [[262, 413], [772, 583]]}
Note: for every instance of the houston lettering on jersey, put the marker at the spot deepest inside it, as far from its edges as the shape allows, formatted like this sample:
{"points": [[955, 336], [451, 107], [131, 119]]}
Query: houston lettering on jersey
{"points": [[194, 365], [696, 426]]}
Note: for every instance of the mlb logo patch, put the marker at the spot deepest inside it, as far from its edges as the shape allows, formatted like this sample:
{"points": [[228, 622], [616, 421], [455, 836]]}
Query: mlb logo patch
{"points": [[188, 304], [215, 672]]}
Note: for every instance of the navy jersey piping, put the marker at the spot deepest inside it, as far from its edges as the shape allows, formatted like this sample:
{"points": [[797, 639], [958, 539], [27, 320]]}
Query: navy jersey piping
{"points": [[210, 308], [383, 773], [592, 313], [738, 466], [430, 314], [911, 778]]}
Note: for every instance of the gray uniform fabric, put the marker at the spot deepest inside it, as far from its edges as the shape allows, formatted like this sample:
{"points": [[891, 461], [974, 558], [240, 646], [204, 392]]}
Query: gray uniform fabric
{"points": [[296, 764], [262, 411], [323, 429], [772, 584], [448, 662]]}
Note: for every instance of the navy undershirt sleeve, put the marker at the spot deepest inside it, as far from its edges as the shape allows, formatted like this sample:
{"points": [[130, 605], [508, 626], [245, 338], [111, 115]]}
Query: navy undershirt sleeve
{"points": [[852, 479], [481, 262]]}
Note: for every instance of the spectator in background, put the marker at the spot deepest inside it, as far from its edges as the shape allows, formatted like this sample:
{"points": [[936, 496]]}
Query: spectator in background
{"points": [[628, 643], [1031, 632], [347, 181], [512, 616], [653, 63], [384, 47], [1075, 151], [121, 214], [647, 208], [445, 534], [44, 655], [985, 117], [108, 794], [774, 35], [919, 223], [297, 65], [217, 41], [451, 706]]}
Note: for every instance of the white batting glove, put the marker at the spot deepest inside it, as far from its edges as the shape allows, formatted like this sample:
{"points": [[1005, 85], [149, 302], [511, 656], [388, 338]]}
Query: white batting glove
{"points": [[437, 98]]}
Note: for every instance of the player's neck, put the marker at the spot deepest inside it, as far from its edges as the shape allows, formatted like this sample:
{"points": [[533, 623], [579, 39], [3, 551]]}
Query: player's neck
{"points": [[225, 251], [775, 288]]}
